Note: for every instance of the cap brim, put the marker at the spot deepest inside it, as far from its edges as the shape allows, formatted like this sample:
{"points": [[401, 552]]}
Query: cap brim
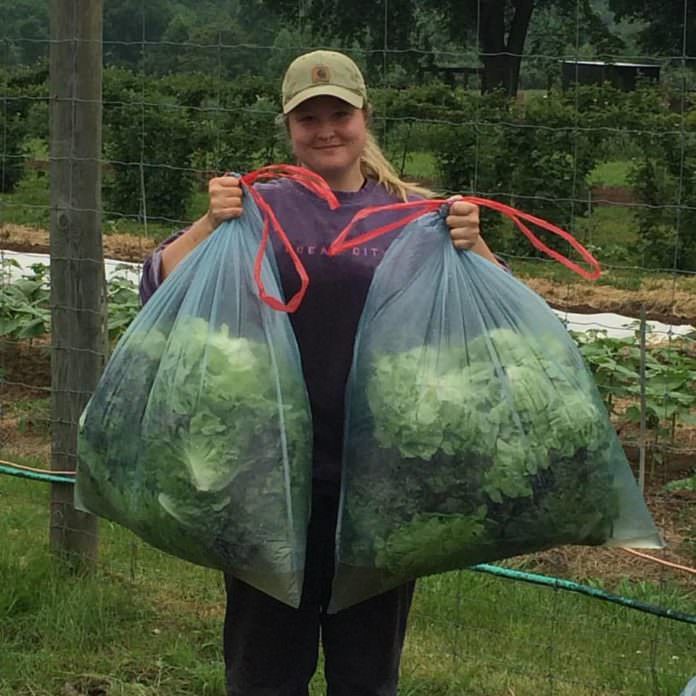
{"points": [[324, 90]]}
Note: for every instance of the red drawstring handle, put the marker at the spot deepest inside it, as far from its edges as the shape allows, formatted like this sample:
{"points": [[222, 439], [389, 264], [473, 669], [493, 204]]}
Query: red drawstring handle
{"points": [[418, 208], [311, 181]]}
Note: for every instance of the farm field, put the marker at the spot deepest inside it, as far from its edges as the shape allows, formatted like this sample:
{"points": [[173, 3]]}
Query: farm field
{"points": [[146, 624], [582, 116]]}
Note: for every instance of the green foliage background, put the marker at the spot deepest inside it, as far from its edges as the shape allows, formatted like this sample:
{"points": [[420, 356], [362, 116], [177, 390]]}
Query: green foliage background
{"points": [[191, 90]]}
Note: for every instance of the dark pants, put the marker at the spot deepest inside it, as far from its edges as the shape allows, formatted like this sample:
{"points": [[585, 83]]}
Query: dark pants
{"points": [[271, 649]]}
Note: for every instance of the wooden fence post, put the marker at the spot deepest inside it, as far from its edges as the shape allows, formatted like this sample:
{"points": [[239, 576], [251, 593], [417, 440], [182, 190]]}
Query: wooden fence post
{"points": [[78, 289]]}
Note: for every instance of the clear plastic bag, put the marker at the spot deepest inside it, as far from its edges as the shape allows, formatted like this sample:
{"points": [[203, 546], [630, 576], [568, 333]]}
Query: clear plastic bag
{"points": [[198, 437], [474, 430]]}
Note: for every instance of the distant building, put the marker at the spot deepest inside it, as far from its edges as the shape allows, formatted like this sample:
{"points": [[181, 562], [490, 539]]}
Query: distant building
{"points": [[623, 76]]}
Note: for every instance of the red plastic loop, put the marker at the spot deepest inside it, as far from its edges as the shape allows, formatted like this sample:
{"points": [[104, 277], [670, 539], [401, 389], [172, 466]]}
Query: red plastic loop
{"points": [[314, 183], [517, 216], [418, 208], [341, 243]]}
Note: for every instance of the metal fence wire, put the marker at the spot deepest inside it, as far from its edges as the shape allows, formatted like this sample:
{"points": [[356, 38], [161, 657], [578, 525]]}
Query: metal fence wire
{"points": [[145, 107]]}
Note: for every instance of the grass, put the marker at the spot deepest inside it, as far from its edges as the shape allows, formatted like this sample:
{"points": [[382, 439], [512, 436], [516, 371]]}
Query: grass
{"points": [[416, 166], [614, 173], [147, 624], [30, 203]]}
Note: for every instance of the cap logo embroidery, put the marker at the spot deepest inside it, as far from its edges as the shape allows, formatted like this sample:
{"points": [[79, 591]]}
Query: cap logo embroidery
{"points": [[320, 73]]}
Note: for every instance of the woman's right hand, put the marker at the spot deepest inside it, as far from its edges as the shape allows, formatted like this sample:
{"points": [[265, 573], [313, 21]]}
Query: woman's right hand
{"points": [[225, 203], [225, 200]]}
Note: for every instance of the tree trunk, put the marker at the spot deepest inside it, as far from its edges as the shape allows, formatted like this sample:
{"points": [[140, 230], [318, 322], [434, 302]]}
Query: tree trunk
{"points": [[516, 39], [502, 56], [492, 44]]}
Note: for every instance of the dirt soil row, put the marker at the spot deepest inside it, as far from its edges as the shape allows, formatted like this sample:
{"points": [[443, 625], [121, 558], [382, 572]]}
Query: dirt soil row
{"points": [[663, 299], [123, 247]]}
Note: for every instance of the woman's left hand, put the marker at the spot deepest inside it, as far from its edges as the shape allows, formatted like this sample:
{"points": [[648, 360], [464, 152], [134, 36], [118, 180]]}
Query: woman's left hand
{"points": [[463, 223]]}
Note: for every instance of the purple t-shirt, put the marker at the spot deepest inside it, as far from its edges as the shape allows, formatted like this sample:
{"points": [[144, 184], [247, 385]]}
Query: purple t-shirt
{"points": [[326, 322]]}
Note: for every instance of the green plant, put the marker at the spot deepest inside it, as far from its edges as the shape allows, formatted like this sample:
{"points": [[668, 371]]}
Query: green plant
{"points": [[670, 380], [232, 122], [12, 134], [29, 203], [498, 447], [199, 441], [34, 416], [123, 304], [148, 140], [24, 97], [532, 154], [686, 484], [24, 311], [663, 179]]}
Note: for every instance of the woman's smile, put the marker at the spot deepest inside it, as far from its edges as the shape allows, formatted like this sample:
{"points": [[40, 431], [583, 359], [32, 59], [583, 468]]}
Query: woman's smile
{"points": [[328, 136]]}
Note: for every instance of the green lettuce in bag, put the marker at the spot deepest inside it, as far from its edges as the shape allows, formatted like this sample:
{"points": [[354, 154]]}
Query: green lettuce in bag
{"points": [[474, 430], [198, 437]]}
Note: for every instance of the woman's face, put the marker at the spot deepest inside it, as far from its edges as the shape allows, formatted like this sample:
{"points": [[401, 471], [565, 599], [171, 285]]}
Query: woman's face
{"points": [[328, 136]]}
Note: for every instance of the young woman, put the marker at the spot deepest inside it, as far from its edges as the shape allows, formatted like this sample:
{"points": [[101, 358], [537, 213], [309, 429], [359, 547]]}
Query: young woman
{"points": [[271, 649]]}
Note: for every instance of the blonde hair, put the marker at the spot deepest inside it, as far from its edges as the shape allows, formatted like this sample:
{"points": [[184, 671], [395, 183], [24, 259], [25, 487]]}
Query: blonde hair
{"points": [[374, 164]]}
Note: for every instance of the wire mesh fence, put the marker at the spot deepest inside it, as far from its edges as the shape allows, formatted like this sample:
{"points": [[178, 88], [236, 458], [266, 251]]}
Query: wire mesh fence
{"points": [[610, 160]]}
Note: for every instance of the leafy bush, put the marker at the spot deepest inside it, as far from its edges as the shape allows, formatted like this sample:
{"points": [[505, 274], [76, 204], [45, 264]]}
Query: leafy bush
{"points": [[236, 130], [161, 135], [12, 134], [664, 180], [23, 115], [530, 153], [646, 126], [147, 139]]}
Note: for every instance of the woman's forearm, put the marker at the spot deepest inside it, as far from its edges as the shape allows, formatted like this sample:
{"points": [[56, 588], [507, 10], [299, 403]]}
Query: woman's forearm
{"points": [[173, 254], [482, 249]]}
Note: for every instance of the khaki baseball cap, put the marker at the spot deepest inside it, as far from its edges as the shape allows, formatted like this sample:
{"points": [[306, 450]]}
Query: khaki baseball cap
{"points": [[323, 73]]}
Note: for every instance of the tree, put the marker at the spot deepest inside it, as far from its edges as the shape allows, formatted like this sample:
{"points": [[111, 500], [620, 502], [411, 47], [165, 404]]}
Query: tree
{"points": [[127, 23], [364, 25], [502, 27], [420, 35], [25, 28], [199, 33], [665, 31], [553, 33]]}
